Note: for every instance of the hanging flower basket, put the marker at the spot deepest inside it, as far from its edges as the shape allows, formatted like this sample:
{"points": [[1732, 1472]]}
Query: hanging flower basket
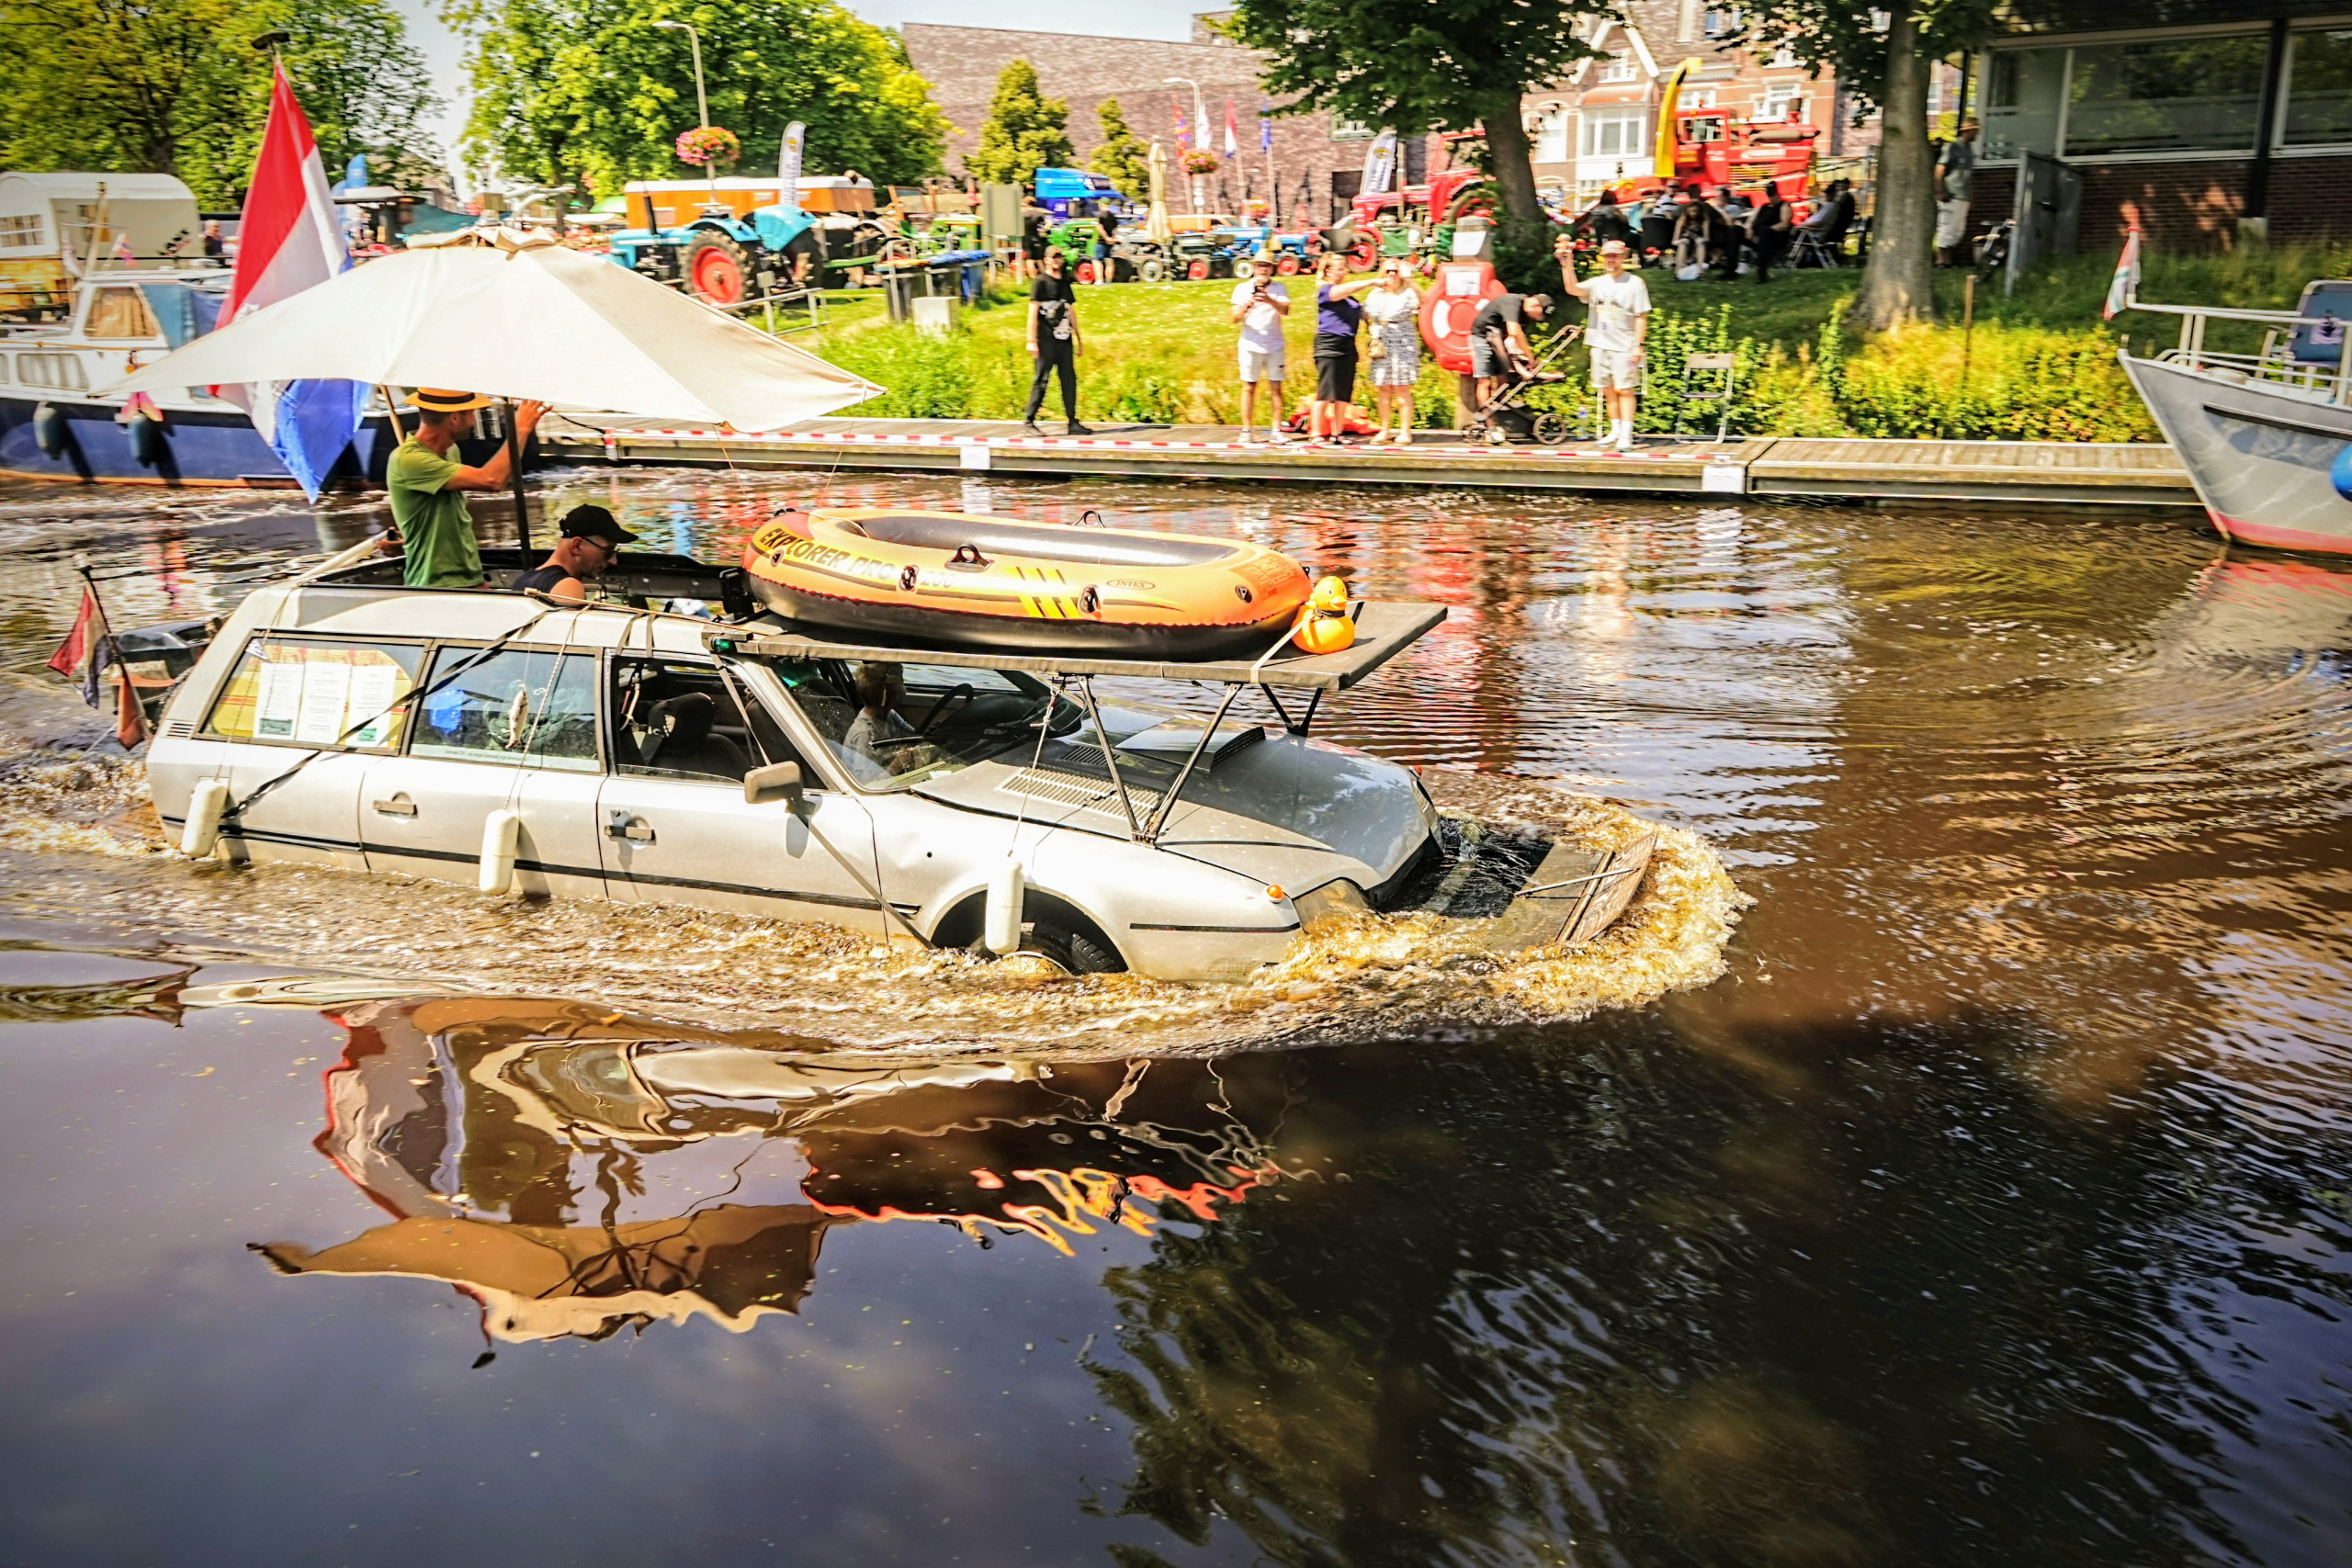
{"points": [[1200, 161], [708, 144]]}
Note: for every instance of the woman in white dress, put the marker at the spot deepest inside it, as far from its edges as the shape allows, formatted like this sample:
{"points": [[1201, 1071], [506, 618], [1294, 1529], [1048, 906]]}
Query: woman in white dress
{"points": [[1394, 308]]}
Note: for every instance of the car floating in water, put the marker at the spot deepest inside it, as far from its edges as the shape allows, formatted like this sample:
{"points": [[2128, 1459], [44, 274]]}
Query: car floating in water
{"points": [[952, 797]]}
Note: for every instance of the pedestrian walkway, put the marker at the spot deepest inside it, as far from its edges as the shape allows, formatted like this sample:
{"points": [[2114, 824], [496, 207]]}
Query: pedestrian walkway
{"points": [[1977, 472]]}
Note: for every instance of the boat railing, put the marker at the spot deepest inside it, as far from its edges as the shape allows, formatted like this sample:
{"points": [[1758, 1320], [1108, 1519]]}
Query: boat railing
{"points": [[2276, 363]]}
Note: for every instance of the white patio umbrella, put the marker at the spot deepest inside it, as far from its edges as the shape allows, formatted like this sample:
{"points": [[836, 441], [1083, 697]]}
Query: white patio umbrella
{"points": [[519, 317], [1155, 224]]}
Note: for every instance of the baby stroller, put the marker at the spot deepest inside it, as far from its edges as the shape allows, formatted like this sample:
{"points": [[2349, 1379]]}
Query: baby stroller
{"points": [[1507, 418]]}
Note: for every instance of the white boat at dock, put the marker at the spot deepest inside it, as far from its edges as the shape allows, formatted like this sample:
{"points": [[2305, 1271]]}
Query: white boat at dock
{"points": [[2265, 436]]}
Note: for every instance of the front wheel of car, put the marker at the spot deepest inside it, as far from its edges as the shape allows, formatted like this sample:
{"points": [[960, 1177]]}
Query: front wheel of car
{"points": [[1080, 952]]}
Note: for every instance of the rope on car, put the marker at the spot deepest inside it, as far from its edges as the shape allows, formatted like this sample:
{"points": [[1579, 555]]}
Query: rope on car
{"points": [[415, 694]]}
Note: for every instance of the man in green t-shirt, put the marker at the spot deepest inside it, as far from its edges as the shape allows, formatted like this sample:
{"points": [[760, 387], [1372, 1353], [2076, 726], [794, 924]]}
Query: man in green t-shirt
{"points": [[425, 478]]}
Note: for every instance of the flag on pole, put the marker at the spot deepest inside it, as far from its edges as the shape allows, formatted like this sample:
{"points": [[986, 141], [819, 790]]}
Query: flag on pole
{"points": [[84, 652], [1265, 130], [290, 240], [1177, 109], [1232, 144], [2126, 285]]}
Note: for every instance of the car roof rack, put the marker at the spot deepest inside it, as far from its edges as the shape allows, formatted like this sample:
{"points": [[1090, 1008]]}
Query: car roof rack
{"points": [[1383, 629]]}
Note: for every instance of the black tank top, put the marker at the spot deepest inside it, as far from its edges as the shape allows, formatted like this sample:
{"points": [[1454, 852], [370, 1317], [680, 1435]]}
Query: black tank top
{"points": [[542, 578]]}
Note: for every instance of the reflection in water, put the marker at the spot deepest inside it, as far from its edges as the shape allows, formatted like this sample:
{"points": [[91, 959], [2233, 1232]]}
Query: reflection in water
{"points": [[1980, 1199], [532, 1154]]}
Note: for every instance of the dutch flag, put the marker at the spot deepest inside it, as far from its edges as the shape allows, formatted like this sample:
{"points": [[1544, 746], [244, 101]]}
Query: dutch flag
{"points": [[291, 239]]}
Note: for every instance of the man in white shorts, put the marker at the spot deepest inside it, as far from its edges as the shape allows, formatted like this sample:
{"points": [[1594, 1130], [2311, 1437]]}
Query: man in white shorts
{"points": [[1619, 325], [1260, 303]]}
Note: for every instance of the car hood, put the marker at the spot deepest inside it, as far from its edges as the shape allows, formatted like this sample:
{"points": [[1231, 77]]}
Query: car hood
{"points": [[1285, 810]]}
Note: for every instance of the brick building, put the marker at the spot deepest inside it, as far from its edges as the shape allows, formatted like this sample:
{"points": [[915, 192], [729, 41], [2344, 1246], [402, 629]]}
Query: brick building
{"points": [[2204, 115], [1317, 162]]}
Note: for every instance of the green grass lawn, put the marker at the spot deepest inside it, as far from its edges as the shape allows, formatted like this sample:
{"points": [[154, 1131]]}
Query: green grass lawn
{"points": [[2037, 365]]}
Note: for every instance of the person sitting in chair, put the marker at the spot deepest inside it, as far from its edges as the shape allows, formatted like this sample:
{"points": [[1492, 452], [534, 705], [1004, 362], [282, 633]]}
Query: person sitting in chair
{"points": [[879, 743]]}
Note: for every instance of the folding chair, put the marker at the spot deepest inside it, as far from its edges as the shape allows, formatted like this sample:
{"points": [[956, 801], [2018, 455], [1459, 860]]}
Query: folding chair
{"points": [[1719, 377], [1813, 249]]}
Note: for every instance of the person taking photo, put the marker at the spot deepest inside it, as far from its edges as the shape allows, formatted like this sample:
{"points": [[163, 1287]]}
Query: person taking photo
{"points": [[1260, 305], [1616, 335]]}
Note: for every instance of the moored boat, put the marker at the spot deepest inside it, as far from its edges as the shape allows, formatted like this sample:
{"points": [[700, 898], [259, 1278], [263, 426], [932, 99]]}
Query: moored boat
{"points": [[2266, 436], [98, 274], [967, 580]]}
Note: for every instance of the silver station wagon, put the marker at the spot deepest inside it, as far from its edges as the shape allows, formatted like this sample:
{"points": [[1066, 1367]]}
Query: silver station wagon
{"points": [[620, 753]]}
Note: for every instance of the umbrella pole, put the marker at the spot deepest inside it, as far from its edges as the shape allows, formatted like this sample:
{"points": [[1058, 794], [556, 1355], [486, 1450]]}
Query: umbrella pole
{"points": [[514, 472]]}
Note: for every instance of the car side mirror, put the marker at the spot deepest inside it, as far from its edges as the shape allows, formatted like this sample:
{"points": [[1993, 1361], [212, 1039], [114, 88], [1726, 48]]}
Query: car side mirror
{"points": [[778, 780]]}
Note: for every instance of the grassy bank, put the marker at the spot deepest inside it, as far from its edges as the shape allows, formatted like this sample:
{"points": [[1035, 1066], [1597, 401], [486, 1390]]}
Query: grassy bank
{"points": [[2039, 365]]}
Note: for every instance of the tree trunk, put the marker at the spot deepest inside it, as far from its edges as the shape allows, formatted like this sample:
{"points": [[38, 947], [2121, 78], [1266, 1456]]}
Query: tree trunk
{"points": [[1898, 282], [1507, 145]]}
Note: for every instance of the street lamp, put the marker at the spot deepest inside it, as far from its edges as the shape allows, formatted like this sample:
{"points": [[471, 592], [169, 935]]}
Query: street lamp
{"points": [[694, 41], [702, 99], [1200, 126]]}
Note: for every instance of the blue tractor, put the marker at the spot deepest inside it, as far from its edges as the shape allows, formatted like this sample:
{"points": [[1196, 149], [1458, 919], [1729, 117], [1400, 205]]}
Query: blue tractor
{"points": [[730, 250]]}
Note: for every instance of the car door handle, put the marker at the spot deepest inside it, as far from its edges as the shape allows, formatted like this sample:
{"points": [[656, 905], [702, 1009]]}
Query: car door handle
{"points": [[633, 828], [399, 805]]}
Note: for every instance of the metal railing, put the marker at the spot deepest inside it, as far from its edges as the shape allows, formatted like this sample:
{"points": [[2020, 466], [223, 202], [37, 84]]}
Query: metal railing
{"points": [[813, 298], [2273, 363]]}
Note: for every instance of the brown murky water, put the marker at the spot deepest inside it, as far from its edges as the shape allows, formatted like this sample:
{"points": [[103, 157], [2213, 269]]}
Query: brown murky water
{"points": [[1982, 1191]]}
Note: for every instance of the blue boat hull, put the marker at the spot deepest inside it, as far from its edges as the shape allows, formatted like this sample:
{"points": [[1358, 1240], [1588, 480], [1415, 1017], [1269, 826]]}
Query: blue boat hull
{"points": [[202, 446]]}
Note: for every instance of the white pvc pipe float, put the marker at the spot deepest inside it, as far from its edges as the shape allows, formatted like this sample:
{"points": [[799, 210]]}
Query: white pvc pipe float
{"points": [[202, 831], [499, 831], [1002, 929]]}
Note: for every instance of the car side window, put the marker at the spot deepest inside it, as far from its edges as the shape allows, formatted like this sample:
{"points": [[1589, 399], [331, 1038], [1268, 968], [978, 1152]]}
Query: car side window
{"points": [[317, 692], [681, 718], [524, 705]]}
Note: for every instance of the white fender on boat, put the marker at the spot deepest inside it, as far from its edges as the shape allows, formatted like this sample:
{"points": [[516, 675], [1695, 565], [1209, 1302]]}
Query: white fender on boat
{"points": [[499, 831], [1002, 929], [202, 829]]}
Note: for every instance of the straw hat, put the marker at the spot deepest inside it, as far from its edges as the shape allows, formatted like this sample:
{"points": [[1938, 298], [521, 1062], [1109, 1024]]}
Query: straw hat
{"points": [[435, 399]]}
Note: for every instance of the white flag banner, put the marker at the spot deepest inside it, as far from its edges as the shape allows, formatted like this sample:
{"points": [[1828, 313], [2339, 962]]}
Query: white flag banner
{"points": [[787, 166], [1379, 163]]}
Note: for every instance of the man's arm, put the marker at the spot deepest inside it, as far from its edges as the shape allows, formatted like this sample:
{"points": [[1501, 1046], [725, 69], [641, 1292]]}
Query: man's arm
{"points": [[1033, 324], [1565, 249], [494, 474]]}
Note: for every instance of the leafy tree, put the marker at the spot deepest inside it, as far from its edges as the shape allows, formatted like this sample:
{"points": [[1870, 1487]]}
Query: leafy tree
{"points": [[1419, 65], [1886, 68], [1123, 159], [591, 92], [1024, 131], [174, 87]]}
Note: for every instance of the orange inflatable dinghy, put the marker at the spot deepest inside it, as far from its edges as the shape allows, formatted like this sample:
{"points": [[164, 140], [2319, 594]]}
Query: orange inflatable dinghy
{"points": [[962, 578]]}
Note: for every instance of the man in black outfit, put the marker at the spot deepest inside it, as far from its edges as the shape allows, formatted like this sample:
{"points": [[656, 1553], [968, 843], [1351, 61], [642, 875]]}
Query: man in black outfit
{"points": [[1769, 229], [591, 537], [1053, 343]]}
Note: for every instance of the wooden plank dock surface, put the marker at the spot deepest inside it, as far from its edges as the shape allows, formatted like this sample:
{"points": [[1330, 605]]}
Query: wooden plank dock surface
{"points": [[1969, 472]]}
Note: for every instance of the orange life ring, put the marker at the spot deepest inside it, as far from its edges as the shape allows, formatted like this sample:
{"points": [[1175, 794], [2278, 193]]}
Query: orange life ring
{"points": [[979, 580], [1456, 294]]}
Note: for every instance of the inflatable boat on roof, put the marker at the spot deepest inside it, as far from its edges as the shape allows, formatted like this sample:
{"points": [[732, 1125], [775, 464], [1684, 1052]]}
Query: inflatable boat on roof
{"points": [[956, 578]]}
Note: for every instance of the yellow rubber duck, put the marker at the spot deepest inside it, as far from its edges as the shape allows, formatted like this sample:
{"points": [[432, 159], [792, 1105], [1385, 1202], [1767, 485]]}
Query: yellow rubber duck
{"points": [[1324, 626]]}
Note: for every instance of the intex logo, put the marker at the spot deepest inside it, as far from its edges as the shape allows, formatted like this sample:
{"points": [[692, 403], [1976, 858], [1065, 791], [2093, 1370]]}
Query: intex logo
{"points": [[1130, 583]]}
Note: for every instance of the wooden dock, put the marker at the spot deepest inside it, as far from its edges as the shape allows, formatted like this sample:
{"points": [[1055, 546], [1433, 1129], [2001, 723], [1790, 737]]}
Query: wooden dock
{"points": [[1964, 472]]}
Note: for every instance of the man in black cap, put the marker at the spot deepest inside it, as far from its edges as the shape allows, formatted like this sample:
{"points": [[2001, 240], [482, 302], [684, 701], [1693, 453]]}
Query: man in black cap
{"points": [[591, 537]]}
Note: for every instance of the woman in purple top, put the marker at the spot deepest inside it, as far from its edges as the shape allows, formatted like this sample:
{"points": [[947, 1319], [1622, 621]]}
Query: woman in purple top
{"points": [[1339, 315]]}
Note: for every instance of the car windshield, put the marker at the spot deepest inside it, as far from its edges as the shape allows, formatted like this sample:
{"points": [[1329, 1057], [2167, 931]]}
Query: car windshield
{"points": [[896, 725]]}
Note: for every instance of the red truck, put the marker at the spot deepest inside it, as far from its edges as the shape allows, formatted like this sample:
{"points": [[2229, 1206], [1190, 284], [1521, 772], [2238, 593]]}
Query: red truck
{"points": [[1713, 150]]}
